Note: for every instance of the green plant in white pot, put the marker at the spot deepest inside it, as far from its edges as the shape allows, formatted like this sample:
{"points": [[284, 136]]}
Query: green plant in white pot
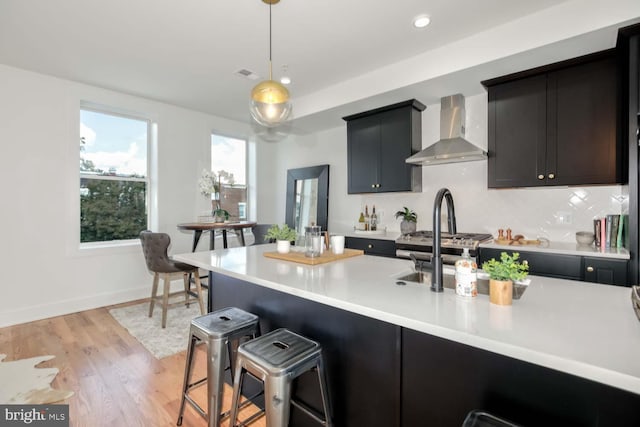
{"points": [[283, 237], [409, 220]]}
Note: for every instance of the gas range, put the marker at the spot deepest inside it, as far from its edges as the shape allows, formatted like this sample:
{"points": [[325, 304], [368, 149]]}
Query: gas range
{"points": [[420, 244]]}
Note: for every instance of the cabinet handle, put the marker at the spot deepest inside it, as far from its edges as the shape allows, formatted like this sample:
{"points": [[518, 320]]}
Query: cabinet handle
{"points": [[369, 246], [551, 176], [377, 185], [540, 176], [590, 269], [373, 186]]}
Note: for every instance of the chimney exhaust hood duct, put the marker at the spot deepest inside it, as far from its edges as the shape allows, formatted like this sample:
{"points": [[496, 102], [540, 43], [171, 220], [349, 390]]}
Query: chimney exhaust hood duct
{"points": [[452, 147]]}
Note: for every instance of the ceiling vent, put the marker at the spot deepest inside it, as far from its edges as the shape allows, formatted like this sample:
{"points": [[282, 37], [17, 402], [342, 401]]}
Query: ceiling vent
{"points": [[247, 74]]}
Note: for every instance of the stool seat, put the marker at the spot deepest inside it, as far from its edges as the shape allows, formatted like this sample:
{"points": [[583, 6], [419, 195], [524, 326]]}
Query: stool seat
{"points": [[222, 332], [225, 322], [277, 358], [280, 351]]}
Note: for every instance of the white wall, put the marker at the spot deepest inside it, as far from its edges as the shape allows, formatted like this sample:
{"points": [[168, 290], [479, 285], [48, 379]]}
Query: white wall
{"points": [[531, 212], [44, 271]]}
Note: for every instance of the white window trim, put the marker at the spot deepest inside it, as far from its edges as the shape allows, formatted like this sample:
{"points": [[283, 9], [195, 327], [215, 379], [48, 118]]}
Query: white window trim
{"points": [[115, 246]]}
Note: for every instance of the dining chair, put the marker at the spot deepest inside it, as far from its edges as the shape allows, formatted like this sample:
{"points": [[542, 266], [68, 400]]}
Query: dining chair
{"points": [[155, 247], [259, 231]]}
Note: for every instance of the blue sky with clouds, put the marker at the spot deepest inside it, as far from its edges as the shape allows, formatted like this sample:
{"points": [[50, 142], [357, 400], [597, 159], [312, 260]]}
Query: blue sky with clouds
{"points": [[115, 142], [229, 154]]}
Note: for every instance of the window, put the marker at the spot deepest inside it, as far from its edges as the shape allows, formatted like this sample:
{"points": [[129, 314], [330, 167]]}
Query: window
{"points": [[229, 163], [113, 176]]}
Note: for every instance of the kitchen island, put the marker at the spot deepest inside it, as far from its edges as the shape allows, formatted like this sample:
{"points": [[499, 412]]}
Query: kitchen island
{"points": [[404, 356]]}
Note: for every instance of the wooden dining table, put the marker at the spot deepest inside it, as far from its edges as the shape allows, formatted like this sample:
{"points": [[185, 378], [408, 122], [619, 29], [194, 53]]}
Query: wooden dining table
{"points": [[199, 227]]}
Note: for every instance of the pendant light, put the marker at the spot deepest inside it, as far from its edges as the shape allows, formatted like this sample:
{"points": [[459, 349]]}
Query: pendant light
{"points": [[270, 104]]}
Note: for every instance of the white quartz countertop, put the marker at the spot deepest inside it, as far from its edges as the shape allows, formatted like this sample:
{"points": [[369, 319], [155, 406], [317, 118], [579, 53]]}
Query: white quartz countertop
{"points": [[567, 248], [585, 329]]}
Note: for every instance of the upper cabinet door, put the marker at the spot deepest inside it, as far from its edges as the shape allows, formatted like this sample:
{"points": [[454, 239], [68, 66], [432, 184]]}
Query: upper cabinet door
{"points": [[378, 143], [556, 125], [363, 153], [518, 133], [584, 122], [395, 131]]}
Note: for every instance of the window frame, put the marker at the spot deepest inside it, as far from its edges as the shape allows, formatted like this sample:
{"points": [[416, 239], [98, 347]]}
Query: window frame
{"points": [[247, 166], [150, 125]]}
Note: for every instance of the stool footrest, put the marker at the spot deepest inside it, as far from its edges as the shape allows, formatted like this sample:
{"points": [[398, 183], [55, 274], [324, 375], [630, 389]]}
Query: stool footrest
{"points": [[196, 406], [309, 411], [249, 420], [243, 404], [197, 384]]}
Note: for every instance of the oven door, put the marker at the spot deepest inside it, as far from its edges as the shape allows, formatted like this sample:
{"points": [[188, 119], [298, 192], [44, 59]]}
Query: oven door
{"points": [[447, 259]]}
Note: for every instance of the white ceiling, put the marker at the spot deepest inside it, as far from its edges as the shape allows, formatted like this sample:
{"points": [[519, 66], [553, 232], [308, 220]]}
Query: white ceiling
{"points": [[343, 55]]}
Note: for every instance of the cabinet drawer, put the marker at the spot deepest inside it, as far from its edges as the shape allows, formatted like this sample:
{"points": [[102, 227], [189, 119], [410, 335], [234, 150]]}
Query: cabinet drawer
{"points": [[542, 264], [372, 246]]}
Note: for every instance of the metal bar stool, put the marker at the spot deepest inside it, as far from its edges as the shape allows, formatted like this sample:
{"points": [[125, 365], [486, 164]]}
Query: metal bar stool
{"points": [[277, 358], [221, 332]]}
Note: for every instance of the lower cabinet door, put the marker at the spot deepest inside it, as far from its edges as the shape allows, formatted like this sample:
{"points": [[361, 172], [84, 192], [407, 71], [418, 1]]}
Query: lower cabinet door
{"points": [[607, 271]]}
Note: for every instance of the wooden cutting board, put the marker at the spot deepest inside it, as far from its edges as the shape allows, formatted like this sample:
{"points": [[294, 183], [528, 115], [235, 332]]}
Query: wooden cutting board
{"points": [[519, 242], [327, 256]]}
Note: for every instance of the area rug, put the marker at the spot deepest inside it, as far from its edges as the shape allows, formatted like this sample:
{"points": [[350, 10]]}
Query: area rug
{"points": [[148, 330], [23, 383]]}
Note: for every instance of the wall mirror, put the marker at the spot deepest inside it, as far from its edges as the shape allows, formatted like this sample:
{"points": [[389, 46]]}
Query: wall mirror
{"points": [[307, 197]]}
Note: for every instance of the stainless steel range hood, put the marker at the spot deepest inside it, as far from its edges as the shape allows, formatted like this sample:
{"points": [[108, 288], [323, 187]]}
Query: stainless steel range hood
{"points": [[452, 147]]}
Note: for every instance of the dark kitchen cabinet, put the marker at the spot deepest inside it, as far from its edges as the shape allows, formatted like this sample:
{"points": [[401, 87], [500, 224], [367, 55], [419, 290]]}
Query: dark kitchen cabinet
{"points": [[628, 47], [379, 247], [542, 264], [556, 125], [378, 142], [608, 271], [361, 354], [603, 270], [443, 380]]}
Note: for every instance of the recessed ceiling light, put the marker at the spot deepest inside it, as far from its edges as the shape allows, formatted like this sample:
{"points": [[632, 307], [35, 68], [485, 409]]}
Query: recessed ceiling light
{"points": [[285, 80], [421, 21]]}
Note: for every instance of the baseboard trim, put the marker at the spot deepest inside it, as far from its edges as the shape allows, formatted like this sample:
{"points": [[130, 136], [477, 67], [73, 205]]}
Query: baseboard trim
{"points": [[74, 305]]}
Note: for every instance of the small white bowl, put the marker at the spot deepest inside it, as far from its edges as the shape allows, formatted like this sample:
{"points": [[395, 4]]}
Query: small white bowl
{"points": [[585, 238]]}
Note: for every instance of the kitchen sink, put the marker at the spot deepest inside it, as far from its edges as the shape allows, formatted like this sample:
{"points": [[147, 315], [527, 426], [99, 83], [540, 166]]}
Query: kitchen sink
{"points": [[424, 277]]}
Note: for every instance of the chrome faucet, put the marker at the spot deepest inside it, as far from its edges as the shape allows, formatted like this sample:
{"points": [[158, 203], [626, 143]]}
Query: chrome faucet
{"points": [[436, 260]]}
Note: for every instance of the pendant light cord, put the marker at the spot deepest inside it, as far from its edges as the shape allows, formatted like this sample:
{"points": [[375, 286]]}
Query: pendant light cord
{"points": [[270, 67]]}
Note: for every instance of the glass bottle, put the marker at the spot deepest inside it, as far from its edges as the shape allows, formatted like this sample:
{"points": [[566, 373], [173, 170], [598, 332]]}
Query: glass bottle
{"points": [[374, 220], [361, 222], [367, 218]]}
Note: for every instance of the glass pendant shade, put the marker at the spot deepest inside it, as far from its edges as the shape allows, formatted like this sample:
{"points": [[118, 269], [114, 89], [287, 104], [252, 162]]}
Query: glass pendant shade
{"points": [[270, 105]]}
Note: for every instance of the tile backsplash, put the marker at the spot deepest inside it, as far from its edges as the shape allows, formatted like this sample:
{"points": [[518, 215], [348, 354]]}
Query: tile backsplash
{"points": [[552, 212]]}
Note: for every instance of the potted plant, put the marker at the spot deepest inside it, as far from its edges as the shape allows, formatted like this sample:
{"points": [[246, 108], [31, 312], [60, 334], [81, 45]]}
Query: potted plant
{"points": [[502, 274], [283, 237], [219, 214], [409, 219]]}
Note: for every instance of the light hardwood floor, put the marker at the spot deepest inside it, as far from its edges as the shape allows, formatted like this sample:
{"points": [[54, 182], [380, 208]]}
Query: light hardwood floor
{"points": [[115, 380]]}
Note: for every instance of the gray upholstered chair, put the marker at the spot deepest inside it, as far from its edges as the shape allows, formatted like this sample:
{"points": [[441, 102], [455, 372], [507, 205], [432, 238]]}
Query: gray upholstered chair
{"points": [[259, 231], [155, 247]]}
